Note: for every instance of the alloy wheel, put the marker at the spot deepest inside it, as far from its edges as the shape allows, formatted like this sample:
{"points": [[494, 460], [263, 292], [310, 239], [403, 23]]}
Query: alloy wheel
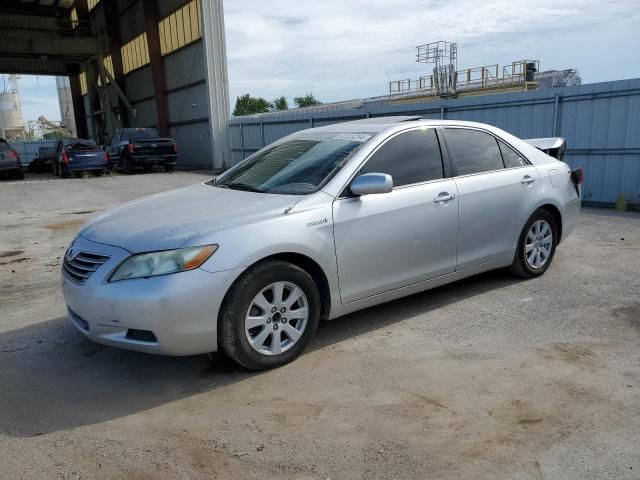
{"points": [[538, 244], [276, 318]]}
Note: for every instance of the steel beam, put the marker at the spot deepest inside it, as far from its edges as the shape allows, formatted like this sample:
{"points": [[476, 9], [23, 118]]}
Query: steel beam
{"points": [[78, 107], [115, 45], [217, 82], [157, 65], [64, 48]]}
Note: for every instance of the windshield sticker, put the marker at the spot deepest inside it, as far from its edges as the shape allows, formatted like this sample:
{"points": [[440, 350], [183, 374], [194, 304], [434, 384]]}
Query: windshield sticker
{"points": [[354, 137]]}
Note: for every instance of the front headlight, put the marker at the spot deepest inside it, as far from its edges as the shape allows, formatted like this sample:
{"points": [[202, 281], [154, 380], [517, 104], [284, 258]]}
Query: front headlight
{"points": [[161, 263]]}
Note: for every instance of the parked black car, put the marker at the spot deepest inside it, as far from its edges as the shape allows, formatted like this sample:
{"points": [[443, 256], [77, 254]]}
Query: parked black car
{"points": [[75, 155], [142, 147], [10, 161]]}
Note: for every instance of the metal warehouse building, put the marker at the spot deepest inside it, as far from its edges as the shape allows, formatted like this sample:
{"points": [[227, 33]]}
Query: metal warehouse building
{"points": [[130, 63]]}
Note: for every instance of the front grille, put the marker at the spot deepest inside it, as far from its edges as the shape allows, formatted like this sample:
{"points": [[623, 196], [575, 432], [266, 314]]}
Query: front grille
{"points": [[80, 267]]}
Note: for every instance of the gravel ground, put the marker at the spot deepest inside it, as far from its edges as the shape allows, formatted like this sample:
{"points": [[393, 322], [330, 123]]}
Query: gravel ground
{"points": [[491, 377]]}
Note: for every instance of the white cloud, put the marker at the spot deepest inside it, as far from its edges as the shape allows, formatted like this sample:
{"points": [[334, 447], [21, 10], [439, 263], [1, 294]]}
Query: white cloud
{"points": [[344, 49]]}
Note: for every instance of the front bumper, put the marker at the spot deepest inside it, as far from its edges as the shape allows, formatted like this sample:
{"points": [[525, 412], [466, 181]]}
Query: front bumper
{"points": [[180, 310]]}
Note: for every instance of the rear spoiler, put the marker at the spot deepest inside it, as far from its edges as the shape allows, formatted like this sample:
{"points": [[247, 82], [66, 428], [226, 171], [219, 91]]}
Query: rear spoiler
{"points": [[552, 146]]}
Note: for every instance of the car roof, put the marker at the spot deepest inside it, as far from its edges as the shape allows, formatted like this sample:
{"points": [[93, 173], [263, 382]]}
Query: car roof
{"points": [[380, 124]]}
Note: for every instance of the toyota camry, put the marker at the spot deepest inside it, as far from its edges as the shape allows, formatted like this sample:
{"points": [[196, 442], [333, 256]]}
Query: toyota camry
{"points": [[316, 225]]}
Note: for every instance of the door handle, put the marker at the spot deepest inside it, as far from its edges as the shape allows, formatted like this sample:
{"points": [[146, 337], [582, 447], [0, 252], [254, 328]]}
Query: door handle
{"points": [[444, 197], [526, 180]]}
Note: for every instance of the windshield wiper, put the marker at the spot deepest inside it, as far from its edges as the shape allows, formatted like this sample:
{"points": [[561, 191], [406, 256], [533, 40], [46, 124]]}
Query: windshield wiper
{"points": [[243, 186]]}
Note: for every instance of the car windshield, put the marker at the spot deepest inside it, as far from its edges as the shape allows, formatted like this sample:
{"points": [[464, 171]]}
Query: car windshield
{"points": [[297, 166], [140, 133]]}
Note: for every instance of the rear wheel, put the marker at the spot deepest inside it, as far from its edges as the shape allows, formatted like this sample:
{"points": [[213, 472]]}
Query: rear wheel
{"points": [[19, 175], [269, 316], [127, 165], [169, 168], [536, 245], [64, 171]]}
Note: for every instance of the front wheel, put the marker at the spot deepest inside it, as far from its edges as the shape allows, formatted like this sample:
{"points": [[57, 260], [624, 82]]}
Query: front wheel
{"points": [[269, 316], [536, 245]]}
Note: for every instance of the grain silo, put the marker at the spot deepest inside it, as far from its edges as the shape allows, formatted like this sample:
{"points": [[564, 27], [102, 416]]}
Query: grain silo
{"points": [[11, 125]]}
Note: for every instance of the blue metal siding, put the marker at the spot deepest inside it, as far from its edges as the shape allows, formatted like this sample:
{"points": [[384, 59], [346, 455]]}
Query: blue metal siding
{"points": [[27, 151], [600, 121]]}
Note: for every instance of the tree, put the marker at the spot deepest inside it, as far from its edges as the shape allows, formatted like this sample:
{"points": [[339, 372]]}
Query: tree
{"points": [[307, 101], [247, 105], [280, 103]]}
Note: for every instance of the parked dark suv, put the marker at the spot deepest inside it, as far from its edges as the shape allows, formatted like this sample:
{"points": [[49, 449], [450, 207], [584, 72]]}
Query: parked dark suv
{"points": [[10, 161], [142, 147]]}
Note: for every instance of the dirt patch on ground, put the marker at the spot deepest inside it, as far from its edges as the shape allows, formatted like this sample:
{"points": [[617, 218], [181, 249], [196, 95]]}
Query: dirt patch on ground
{"points": [[15, 260], [65, 225], [630, 313], [10, 253], [81, 212]]}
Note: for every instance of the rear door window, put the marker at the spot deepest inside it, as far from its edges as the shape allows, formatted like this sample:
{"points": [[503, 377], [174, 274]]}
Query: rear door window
{"points": [[473, 151], [510, 157], [411, 157]]}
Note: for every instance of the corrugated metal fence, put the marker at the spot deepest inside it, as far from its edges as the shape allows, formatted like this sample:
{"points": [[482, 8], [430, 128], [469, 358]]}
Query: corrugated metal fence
{"points": [[601, 122], [27, 151]]}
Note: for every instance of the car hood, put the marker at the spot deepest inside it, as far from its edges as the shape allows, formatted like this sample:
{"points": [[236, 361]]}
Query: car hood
{"points": [[168, 220]]}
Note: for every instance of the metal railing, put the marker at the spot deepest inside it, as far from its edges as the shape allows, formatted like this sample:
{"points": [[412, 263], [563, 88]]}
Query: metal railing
{"points": [[471, 79]]}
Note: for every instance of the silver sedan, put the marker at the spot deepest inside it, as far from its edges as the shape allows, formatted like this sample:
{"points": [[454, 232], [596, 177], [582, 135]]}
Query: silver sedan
{"points": [[321, 223]]}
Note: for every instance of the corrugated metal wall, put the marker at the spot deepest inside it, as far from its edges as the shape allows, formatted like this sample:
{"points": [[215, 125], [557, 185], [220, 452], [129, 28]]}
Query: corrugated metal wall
{"points": [[188, 107], [600, 121], [27, 151]]}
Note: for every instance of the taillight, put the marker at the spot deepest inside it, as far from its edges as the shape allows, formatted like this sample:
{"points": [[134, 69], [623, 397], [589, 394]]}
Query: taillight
{"points": [[130, 147], [13, 155], [577, 176], [175, 148], [65, 158], [105, 156]]}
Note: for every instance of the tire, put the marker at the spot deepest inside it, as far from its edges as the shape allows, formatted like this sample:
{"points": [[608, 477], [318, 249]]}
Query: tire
{"points": [[55, 169], [169, 168], [257, 282], [19, 175], [127, 165], [64, 171], [534, 241]]}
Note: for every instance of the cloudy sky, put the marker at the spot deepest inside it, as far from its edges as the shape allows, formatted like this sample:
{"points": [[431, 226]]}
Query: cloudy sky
{"points": [[344, 49]]}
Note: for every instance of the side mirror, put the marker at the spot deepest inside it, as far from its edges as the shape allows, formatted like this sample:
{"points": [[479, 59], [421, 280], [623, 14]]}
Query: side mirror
{"points": [[372, 183]]}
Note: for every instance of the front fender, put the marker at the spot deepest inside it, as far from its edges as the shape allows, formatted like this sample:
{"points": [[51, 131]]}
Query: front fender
{"points": [[307, 232]]}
